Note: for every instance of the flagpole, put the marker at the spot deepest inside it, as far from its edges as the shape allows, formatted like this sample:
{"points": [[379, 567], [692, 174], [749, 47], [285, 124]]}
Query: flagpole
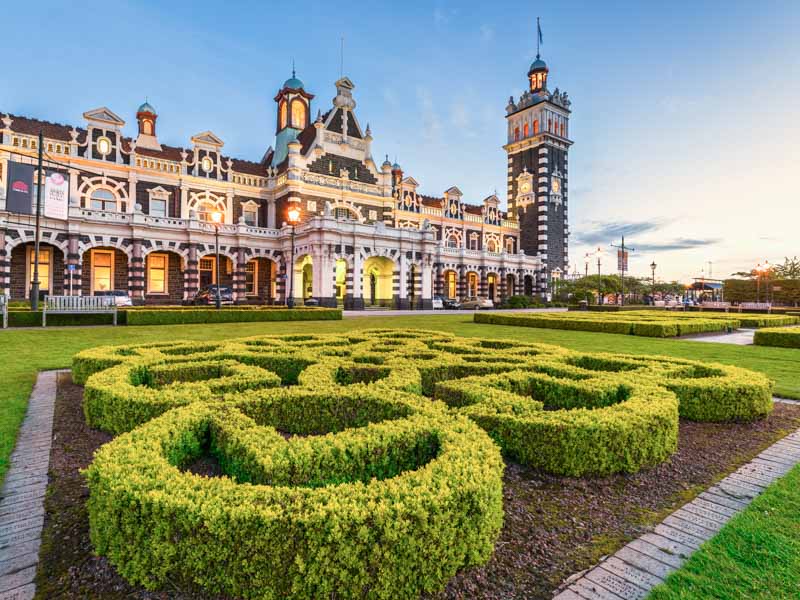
{"points": [[35, 282]]}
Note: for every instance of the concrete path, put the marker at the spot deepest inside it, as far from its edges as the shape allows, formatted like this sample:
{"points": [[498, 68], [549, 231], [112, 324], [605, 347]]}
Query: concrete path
{"points": [[740, 337], [22, 496], [420, 313], [634, 570]]}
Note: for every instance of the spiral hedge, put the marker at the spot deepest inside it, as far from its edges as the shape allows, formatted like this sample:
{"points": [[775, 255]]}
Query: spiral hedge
{"points": [[365, 464]]}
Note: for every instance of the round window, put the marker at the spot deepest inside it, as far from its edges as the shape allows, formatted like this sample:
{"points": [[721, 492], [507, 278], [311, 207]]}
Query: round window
{"points": [[206, 164], [103, 146]]}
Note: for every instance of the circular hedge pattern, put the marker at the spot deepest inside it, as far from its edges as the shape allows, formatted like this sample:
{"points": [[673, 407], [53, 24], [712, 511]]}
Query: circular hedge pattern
{"points": [[361, 464]]}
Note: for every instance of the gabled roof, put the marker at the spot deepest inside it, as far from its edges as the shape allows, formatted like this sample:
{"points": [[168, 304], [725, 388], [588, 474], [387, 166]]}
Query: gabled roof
{"points": [[453, 191], [103, 115], [410, 181]]}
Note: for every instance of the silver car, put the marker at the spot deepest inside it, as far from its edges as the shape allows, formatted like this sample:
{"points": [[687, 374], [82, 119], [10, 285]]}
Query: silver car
{"points": [[476, 303]]}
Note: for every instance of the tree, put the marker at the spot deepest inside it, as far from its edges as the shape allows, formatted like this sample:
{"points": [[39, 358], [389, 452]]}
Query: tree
{"points": [[790, 269]]}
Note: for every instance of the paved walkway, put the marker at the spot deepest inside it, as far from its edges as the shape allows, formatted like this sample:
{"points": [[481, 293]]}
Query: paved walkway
{"points": [[22, 496], [740, 337], [419, 313], [634, 570]]}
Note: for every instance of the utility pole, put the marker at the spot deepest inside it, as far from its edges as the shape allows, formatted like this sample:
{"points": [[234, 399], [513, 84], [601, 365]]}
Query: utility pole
{"points": [[622, 259], [35, 282]]}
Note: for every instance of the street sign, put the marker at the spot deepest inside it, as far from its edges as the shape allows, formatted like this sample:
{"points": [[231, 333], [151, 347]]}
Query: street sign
{"points": [[70, 268]]}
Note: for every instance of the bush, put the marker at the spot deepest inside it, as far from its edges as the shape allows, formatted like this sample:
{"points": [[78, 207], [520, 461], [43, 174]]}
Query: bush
{"points": [[177, 316], [413, 499], [26, 318], [341, 477], [782, 338]]}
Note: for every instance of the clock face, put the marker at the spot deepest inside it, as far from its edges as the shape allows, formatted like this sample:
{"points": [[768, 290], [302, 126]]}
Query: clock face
{"points": [[525, 188], [556, 185]]}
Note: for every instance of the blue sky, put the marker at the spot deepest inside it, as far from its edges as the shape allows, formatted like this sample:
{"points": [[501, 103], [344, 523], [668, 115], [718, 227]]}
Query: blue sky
{"points": [[684, 118]]}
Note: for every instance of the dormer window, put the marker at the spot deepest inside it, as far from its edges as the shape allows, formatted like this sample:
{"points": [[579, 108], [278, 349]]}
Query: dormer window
{"points": [[206, 164], [103, 146], [298, 114]]}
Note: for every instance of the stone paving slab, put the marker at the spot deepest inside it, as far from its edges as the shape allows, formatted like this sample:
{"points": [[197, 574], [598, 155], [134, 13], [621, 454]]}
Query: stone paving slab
{"points": [[634, 570], [23, 491]]}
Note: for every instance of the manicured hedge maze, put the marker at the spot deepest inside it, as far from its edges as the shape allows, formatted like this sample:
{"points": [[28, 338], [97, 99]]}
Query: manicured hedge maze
{"points": [[361, 464], [782, 337], [647, 323]]}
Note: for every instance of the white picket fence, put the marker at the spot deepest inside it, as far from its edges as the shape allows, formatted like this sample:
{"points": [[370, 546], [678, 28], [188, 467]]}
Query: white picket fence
{"points": [[78, 305]]}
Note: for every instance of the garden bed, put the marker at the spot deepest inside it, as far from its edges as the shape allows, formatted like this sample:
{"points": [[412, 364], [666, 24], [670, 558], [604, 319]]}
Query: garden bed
{"points": [[788, 337], [554, 526], [646, 323]]}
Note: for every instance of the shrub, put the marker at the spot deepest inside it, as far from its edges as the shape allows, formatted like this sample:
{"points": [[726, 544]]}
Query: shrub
{"points": [[340, 476], [174, 316], [782, 338], [413, 498]]}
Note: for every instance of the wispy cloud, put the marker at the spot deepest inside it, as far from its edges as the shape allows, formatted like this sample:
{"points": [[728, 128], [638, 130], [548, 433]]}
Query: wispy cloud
{"points": [[597, 232], [677, 244], [431, 122]]}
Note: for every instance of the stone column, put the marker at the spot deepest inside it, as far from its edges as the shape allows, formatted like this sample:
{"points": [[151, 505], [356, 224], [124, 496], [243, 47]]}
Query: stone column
{"points": [[5, 265], [502, 284], [426, 300], [322, 282], [356, 278], [271, 214], [482, 283], [191, 276], [136, 274], [239, 286], [281, 283], [74, 260], [461, 287], [439, 282], [400, 284]]}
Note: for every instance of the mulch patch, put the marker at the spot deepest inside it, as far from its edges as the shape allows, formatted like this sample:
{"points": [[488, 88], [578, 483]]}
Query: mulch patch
{"points": [[554, 526]]}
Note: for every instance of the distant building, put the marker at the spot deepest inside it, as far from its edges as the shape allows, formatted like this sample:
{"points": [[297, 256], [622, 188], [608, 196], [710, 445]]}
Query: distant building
{"points": [[139, 214]]}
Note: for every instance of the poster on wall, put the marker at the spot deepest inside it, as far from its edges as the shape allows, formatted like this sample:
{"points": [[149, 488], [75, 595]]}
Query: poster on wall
{"points": [[56, 195], [19, 195]]}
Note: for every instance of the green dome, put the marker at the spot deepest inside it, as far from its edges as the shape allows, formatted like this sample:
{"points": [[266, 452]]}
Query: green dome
{"points": [[146, 108], [293, 83], [538, 65]]}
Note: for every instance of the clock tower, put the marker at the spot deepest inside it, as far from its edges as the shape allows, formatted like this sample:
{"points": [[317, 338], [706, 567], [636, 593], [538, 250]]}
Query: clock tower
{"points": [[537, 147]]}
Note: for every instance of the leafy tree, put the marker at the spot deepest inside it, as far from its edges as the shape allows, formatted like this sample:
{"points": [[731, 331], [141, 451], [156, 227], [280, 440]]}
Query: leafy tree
{"points": [[790, 269]]}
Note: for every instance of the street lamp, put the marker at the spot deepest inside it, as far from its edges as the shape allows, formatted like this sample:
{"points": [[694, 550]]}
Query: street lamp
{"points": [[598, 253], [216, 219], [760, 271], [293, 215], [653, 269]]}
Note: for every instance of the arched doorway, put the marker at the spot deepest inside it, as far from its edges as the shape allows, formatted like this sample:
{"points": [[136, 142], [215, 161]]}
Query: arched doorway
{"points": [[304, 277], [510, 285], [341, 280], [208, 271], [492, 283], [450, 284], [104, 269], [472, 284], [51, 269], [377, 281], [528, 285]]}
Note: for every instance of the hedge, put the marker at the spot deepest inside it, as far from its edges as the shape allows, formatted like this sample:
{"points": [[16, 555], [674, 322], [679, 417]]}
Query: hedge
{"points": [[228, 315], [386, 509], [780, 337], [360, 464]]}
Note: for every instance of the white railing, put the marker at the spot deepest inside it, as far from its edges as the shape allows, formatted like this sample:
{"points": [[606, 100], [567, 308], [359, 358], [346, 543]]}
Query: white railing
{"points": [[79, 305]]}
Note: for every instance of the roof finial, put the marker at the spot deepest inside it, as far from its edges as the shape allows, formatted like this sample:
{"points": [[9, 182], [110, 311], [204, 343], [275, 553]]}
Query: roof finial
{"points": [[293, 67], [539, 40], [341, 59]]}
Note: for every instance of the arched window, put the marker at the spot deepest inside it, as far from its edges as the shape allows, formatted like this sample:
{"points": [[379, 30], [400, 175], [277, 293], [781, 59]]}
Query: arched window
{"points": [[516, 134], [510, 245], [282, 114], [147, 127], [492, 245], [563, 129], [550, 125], [103, 199], [535, 126], [452, 241], [525, 131], [298, 114]]}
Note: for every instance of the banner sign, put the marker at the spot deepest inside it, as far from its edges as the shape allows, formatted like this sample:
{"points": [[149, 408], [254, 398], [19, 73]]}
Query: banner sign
{"points": [[622, 260], [19, 195], [56, 195]]}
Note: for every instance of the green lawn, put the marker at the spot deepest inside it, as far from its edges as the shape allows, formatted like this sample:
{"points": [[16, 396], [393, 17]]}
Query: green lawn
{"points": [[755, 556], [24, 352]]}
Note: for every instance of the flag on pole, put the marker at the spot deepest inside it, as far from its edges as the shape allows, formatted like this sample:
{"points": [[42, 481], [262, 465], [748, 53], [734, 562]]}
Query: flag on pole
{"points": [[539, 31]]}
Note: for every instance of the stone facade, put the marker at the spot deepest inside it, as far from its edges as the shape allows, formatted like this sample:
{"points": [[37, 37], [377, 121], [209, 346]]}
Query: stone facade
{"points": [[365, 236]]}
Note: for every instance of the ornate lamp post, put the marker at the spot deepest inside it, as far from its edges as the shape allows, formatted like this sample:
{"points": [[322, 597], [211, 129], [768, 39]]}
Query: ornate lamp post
{"points": [[653, 269], [293, 214], [216, 219]]}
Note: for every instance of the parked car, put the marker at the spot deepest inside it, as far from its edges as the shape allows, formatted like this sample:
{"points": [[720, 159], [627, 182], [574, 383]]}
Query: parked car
{"points": [[476, 303], [310, 302], [451, 303], [437, 303], [121, 297], [208, 295]]}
